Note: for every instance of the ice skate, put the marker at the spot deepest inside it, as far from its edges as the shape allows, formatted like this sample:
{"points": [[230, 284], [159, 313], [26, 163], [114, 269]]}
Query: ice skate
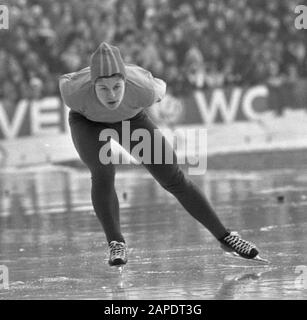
{"points": [[118, 254], [237, 247]]}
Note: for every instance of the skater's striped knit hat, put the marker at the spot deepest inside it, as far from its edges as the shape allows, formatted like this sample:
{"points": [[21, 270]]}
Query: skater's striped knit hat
{"points": [[106, 61]]}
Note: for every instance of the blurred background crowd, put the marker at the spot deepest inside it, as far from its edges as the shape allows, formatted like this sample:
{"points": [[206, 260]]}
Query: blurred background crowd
{"points": [[189, 44]]}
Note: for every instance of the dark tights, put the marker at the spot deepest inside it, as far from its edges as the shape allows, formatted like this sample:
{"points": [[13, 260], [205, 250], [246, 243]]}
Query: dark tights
{"points": [[85, 135]]}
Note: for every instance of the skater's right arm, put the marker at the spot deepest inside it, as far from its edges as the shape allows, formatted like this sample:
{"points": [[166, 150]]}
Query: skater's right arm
{"points": [[73, 88]]}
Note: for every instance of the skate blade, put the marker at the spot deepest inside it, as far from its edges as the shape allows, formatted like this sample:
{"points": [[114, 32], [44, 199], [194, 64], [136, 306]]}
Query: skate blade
{"points": [[256, 259], [120, 268]]}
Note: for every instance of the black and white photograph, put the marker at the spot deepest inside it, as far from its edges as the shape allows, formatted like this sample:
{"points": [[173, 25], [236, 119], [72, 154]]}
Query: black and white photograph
{"points": [[153, 150]]}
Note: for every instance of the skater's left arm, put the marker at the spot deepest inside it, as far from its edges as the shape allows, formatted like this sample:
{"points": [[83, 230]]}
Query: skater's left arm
{"points": [[155, 85], [145, 89], [159, 88]]}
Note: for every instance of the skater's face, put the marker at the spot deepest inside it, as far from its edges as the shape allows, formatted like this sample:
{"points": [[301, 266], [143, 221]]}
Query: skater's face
{"points": [[110, 91]]}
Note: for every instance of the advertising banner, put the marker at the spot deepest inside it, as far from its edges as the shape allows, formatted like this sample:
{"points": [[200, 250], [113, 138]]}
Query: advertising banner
{"points": [[220, 105], [37, 131]]}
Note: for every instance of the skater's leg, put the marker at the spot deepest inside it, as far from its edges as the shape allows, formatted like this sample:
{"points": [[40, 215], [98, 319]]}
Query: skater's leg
{"points": [[85, 135], [173, 180], [192, 199], [105, 201]]}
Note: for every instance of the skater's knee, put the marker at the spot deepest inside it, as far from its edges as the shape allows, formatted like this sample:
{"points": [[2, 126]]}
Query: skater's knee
{"points": [[104, 176], [175, 183]]}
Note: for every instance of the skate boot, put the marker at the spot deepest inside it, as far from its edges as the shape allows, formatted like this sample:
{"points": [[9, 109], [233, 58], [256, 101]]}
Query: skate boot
{"points": [[233, 243], [118, 253]]}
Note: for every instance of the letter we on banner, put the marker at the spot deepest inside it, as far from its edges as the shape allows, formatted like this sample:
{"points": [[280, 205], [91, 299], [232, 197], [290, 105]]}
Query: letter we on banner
{"points": [[12, 121], [47, 116], [33, 118]]}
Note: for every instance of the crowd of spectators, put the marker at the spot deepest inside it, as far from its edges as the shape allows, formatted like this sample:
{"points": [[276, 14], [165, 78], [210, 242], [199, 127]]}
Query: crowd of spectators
{"points": [[189, 44]]}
